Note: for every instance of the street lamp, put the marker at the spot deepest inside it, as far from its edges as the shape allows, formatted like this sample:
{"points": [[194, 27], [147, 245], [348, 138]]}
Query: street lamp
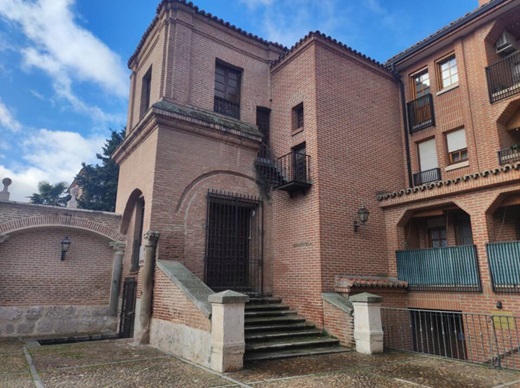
{"points": [[362, 214], [65, 244]]}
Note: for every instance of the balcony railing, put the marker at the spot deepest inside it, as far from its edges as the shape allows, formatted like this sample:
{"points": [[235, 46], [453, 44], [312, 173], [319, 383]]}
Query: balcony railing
{"points": [[509, 155], [226, 107], [427, 176], [420, 113], [504, 264], [295, 172], [503, 78], [440, 269]]}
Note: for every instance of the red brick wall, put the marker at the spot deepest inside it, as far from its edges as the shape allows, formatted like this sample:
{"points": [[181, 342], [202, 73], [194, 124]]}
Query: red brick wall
{"points": [[31, 272], [338, 324], [171, 304]]}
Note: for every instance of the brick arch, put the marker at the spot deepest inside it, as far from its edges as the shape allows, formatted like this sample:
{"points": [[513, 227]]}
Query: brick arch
{"points": [[204, 177], [63, 221], [508, 112], [129, 208]]}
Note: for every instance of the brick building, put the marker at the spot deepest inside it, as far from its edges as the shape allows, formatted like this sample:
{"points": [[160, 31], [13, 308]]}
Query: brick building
{"points": [[256, 162]]}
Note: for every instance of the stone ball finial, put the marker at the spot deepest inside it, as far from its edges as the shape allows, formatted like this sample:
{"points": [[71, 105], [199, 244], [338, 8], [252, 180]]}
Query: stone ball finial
{"points": [[74, 192], [73, 203], [6, 182], [4, 194]]}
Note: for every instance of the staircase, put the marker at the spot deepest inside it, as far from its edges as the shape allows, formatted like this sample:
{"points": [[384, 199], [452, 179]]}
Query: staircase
{"points": [[274, 331]]}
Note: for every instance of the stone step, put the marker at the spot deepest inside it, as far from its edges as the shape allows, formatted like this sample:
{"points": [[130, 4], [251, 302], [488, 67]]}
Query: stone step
{"points": [[273, 320], [266, 306], [267, 335], [264, 300], [298, 352], [291, 343], [277, 327], [269, 313]]}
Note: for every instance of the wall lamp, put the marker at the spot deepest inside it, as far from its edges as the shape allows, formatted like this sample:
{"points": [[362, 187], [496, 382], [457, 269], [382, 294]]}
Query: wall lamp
{"points": [[65, 244], [363, 217]]}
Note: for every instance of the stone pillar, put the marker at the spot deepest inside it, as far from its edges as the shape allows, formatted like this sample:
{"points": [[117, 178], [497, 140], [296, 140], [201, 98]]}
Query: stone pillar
{"points": [[368, 330], [4, 194], [145, 313], [227, 331], [117, 268]]}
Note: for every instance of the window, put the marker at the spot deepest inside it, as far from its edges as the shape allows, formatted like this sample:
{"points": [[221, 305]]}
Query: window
{"points": [[227, 89], [437, 232], [448, 73], [457, 149], [428, 155], [297, 116], [421, 84], [146, 86]]}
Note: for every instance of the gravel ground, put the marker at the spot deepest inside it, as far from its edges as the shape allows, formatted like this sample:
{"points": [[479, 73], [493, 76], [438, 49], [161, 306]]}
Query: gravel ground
{"points": [[119, 364]]}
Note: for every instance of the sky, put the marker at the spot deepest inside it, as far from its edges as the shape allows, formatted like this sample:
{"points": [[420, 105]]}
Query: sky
{"points": [[64, 79]]}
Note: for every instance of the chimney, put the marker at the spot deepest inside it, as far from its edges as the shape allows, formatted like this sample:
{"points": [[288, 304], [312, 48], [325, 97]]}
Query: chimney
{"points": [[482, 2]]}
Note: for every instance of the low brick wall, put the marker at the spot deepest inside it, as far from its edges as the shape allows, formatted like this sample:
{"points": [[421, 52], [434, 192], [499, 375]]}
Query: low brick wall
{"points": [[181, 321], [338, 318]]}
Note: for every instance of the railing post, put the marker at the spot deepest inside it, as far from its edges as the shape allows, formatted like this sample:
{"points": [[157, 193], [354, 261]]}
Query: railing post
{"points": [[227, 331], [368, 329]]}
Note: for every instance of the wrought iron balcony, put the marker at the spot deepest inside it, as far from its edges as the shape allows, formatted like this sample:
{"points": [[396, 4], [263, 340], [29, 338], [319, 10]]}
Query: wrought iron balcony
{"points": [[226, 107], [420, 113], [509, 155], [440, 269], [290, 172], [504, 264], [427, 176], [503, 78], [294, 169]]}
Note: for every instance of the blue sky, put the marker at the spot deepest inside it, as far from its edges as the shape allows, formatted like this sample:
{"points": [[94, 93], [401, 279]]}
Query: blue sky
{"points": [[64, 79]]}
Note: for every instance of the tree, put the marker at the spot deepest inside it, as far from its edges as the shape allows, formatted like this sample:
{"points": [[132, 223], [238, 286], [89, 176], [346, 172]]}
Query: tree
{"points": [[50, 194], [98, 183]]}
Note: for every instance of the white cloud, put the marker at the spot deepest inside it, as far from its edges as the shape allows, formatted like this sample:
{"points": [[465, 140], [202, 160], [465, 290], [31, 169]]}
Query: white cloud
{"points": [[7, 119], [67, 53], [56, 37], [54, 156], [252, 4]]}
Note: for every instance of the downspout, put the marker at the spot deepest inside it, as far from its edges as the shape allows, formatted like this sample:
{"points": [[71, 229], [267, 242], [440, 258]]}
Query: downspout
{"points": [[405, 126]]}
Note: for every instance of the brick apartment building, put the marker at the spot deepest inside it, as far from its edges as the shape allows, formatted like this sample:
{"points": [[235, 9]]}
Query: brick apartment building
{"points": [[253, 161]]}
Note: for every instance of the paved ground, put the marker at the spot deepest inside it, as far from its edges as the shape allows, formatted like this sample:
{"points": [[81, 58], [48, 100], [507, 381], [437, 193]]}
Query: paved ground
{"points": [[118, 364]]}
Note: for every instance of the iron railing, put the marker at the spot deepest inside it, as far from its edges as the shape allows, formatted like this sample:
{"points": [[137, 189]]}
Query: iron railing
{"points": [[504, 264], [509, 155], [294, 168], [503, 78], [427, 176], [226, 107], [234, 243], [440, 269], [267, 168], [421, 113], [477, 338]]}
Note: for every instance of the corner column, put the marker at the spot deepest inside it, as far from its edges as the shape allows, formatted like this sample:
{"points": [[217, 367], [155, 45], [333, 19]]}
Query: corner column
{"points": [[117, 268], [368, 330], [227, 331], [145, 314]]}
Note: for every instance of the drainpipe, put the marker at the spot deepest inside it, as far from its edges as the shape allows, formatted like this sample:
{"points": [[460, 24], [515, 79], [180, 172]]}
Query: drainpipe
{"points": [[405, 126], [145, 314]]}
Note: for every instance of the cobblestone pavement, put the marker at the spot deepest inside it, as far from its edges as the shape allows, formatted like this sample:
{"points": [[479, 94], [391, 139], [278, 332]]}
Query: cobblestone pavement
{"points": [[119, 364]]}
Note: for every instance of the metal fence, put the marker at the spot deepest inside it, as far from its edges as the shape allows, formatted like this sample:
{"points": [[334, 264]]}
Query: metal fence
{"points": [[477, 338], [504, 78], [504, 265], [426, 176], [420, 113]]}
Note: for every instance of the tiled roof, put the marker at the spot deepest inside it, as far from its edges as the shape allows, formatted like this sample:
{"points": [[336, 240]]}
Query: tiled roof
{"points": [[343, 283], [200, 12], [331, 40], [443, 31], [447, 182]]}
